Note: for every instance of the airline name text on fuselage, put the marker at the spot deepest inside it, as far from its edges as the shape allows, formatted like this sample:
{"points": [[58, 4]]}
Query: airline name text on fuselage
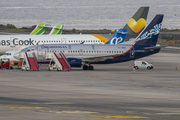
{"points": [[16, 42], [55, 47]]}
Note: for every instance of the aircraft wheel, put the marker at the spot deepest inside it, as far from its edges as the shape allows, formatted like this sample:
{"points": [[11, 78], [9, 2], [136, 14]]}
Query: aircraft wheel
{"points": [[85, 67], [11, 67], [91, 67]]}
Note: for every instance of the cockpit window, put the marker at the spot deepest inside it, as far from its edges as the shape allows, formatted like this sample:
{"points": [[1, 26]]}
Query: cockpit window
{"points": [[7, 54], [25, 50]]}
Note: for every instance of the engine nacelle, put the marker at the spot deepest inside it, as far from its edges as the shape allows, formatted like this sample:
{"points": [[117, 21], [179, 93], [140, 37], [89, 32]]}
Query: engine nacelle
{"points": [[74, 62]]}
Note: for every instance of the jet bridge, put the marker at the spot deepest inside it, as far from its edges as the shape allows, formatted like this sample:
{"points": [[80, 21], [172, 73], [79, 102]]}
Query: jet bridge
{"points": [[29, 61], [60, 61]]}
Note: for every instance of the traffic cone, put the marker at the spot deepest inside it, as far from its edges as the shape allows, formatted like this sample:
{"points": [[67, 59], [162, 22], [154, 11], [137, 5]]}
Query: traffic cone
{"points": [[133, 69]]}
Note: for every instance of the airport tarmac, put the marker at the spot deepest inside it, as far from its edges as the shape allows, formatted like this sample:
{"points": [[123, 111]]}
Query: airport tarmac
{"points": [[109, 92]]}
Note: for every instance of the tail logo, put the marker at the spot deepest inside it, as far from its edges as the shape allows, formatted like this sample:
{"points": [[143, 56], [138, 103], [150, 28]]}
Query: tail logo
{"points": [[136, 26], [116, 40], [151, 32]]}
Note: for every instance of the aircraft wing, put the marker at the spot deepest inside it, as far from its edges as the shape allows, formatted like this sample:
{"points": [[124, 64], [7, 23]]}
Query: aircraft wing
{"points": [[100, 58]]}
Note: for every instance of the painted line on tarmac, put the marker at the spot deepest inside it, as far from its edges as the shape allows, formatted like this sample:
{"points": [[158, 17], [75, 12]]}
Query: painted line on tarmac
{"points": [[52, 103], [76, 111], [24, 107], [128, 116], [161, 113]]}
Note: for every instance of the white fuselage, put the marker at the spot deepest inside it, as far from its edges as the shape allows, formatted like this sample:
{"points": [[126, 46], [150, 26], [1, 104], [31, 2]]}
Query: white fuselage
{"points": [[79, 51], [9, 55], [18, 42]]}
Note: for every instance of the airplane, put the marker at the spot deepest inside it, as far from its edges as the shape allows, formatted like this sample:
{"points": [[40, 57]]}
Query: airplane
{"points": [[85, 55], [18, 42], [8, 57]]}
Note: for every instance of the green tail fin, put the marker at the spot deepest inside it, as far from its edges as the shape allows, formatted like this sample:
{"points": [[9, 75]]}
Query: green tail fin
{"points": [[57, 30], [40, 29]]}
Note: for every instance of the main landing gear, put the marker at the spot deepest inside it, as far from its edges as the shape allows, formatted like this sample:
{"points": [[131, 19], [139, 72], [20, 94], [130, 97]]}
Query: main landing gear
{"points": [[90, 67]]}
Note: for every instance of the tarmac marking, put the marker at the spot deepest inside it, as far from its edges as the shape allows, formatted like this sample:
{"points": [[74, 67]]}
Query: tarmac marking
{"points": [[162, 113], [128, 116], [23, 107], [76, 111], [51, 103]]}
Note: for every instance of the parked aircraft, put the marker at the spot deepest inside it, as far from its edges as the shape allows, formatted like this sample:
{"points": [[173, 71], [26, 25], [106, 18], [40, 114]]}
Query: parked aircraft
{"points": [[87, 54], [7, 57], [18, 42]]}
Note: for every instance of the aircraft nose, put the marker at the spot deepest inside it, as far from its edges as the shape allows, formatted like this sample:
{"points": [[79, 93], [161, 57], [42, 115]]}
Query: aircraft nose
{"points": [[16, 56]]}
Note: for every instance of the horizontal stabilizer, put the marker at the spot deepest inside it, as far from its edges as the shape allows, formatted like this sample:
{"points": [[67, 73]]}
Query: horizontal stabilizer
{"points": [[155, 47]]}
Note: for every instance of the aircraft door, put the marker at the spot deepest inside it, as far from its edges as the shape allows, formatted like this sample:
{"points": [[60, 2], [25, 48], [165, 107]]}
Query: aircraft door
{"points": [[39, 51], [80, 52], [11, 42], [63, 40], [132, 53]]}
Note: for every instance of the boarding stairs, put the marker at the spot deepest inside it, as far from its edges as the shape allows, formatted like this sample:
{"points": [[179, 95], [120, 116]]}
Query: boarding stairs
{"points": [[30, 62], [60, 60]]}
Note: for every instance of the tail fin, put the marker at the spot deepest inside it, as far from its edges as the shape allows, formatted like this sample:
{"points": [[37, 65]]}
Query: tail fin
{"points": [[148, 37], [40, 29], [137, 22], [118, 37], [57, 30]]}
